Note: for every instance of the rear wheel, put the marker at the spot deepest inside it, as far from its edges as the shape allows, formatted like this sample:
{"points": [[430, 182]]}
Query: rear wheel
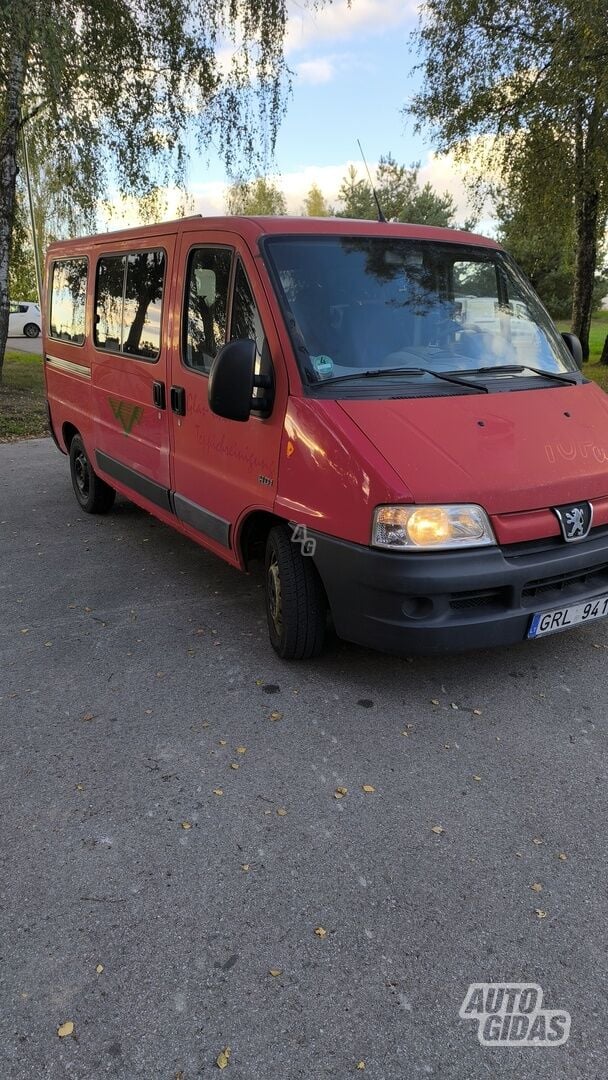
{"points": [[94, 496], [31, 330], [296, 607]]}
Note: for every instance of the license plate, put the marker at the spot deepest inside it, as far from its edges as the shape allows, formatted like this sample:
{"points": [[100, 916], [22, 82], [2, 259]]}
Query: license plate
{"points": [[551, 622]]}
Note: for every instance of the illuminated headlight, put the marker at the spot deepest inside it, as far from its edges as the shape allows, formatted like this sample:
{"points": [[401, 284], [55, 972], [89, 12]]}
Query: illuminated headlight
{"points": [[431, 527]]}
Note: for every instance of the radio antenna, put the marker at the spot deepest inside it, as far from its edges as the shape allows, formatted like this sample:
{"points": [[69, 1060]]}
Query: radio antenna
{"points": [[381, 216]]}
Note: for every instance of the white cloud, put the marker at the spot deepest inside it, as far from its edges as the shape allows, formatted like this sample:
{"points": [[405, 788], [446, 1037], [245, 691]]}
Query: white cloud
{"points": [[339, 22], [317, 71]]}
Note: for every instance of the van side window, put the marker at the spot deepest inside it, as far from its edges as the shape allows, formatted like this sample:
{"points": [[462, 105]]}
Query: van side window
{"points": [[128, 303], [143, 302], [108, 302], [68, 300], [245, 322], [206, 306]]}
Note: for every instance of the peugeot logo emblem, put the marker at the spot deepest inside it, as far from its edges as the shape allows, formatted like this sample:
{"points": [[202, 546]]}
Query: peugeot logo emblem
{"points": [[575, 520]]}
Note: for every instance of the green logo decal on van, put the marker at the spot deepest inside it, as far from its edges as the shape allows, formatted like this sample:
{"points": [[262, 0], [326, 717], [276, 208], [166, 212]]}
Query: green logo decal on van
{"points": [[128, 415]]}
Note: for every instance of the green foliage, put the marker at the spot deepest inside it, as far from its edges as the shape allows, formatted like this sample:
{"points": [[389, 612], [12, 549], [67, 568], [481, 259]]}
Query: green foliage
{"points": [[112, 92], [255, 197], [399, 194], [22, 270], [496, 77], [315, 203]]}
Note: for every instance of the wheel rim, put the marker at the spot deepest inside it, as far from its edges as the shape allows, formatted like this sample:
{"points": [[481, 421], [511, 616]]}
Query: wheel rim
{"points": [[30, 331], [274, 595], [81, 474]]}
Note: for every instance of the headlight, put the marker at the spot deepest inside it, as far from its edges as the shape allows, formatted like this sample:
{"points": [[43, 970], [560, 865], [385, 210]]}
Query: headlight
{"points": [[431, 527]]}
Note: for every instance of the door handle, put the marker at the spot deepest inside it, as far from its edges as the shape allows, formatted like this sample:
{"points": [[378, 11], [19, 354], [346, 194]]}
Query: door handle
{"points": [[158, 395], [178, 400]]}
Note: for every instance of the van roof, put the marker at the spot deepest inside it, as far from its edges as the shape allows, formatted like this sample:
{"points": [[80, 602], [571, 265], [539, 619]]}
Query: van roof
{"points": [[253, 228]]}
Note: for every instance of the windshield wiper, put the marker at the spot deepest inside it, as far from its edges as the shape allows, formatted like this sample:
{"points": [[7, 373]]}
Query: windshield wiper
{"points": [[505, 369], [375, 373]]}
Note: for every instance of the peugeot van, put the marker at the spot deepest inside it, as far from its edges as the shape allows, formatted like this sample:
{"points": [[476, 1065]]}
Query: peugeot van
{"points": [[384, 413]]}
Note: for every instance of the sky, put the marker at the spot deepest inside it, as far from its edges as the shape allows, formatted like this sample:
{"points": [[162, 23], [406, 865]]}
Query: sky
{"points": [[352, 77]]}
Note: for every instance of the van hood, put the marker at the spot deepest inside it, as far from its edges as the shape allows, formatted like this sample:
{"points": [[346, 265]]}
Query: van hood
{"points": [[507, 452]]}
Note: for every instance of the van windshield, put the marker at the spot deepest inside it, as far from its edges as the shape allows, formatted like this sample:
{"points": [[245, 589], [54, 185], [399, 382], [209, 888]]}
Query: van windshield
{"points": [[367, 305]]}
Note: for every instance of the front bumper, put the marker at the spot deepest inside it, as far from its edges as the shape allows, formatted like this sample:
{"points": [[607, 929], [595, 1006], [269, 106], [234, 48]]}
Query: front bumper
{"points": [[439, 602]]}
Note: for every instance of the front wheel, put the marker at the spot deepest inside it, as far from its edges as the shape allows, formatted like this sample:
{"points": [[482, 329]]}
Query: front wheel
{"points": [[296, 607], [31, 330], [93, 495]]}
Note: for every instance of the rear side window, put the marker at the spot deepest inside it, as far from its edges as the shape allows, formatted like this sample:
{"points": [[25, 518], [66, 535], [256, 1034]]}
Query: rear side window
{"points": [[128, 303], [206, 306], [68, 300]]}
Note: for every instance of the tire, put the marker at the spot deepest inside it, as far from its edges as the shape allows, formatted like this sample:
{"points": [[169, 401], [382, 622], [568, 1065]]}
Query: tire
{"points": [[31, 330], [296, 607], [93, 495]]}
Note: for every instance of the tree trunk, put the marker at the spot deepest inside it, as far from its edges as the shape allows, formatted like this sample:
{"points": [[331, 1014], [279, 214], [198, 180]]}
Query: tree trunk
{"points": [[604, 356], [9, 142], [587, 206]]}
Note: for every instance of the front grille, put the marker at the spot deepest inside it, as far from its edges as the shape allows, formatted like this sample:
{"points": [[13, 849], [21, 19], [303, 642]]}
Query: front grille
{"points": [[595, 577], [480, 598]]}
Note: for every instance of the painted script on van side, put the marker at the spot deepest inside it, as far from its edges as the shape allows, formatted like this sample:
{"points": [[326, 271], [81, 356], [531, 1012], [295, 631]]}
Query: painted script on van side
{"points": [[571, 451], [126, 414]]}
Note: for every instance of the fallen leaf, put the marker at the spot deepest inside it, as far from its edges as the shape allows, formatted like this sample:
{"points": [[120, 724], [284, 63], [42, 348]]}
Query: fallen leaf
{"points": [[245, 866], [79, 787], [368, 788], [446, 746], [275, 972], [406, 733], [218, 791], [234, 765], [25, 631], [360, 1065], [186, 825], [276, 715], [536, 887], [320, 931], [453, 705], [562, 856], [437, 829], [434, 701], [340, 792], [88, 716], [537, 840], [541, 914], [223, 742], [282, 812], [99, 969], [476, 712], [478, 778], [223, 1058], [241, 749], [519, 855], [65, 1029]]}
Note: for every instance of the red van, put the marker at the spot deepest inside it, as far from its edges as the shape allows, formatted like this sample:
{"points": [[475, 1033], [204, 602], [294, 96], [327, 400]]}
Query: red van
{"points": [[384, 412]]}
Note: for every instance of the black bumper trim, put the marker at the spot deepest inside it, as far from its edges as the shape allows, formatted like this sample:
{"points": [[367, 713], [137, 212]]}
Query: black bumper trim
{"points": [[408, 602]]}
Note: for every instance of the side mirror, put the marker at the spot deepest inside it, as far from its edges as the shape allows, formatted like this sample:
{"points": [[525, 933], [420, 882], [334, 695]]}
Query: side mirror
{"points": [[231, 380], [574, 346]]}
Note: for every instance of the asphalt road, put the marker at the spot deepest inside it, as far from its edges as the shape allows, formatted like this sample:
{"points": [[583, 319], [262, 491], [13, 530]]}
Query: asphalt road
{"points": [[23, 344], [133, 667]]}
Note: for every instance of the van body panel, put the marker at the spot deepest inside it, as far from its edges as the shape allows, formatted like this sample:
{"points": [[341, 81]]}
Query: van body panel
{"points": [[507, 452], [331, 475], [222, 469]]}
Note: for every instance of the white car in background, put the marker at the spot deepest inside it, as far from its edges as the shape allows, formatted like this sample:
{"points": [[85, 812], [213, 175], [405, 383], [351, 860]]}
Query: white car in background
{"points": [[24, 318]]}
